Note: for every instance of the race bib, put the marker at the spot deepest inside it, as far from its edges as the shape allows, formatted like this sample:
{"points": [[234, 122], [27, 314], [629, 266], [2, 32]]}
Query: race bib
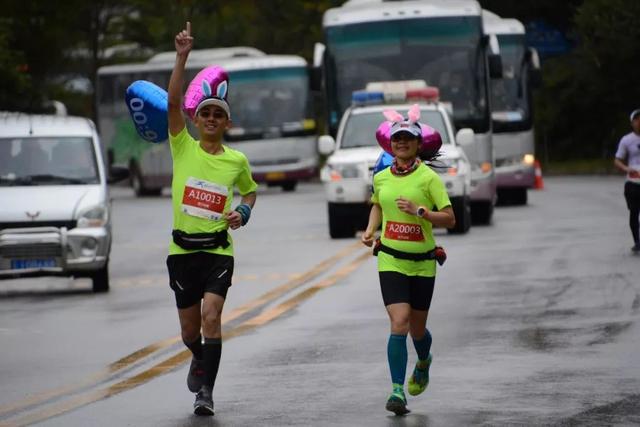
{"points": [[402, 231], [204, 199]]}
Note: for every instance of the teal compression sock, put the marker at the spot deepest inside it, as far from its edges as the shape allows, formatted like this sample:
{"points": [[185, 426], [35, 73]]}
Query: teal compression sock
{"points": [[423, 346], [397, 356]]}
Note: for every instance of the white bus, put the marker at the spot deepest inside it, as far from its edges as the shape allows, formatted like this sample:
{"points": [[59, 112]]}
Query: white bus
{"points": [[512, 115], [271, 106], [439, 41]]}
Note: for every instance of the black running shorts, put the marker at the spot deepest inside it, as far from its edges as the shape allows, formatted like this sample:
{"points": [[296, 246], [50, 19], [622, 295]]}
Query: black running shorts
{"points": [[416, 291], [193, 274]]}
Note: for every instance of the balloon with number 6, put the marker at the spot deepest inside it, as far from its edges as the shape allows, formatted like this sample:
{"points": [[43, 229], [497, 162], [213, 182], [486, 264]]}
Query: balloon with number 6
{"points": [[148, 106]]}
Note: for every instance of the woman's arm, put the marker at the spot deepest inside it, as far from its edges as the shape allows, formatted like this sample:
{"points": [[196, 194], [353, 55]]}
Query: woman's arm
{"points": [[375, 219], [444, 218]]}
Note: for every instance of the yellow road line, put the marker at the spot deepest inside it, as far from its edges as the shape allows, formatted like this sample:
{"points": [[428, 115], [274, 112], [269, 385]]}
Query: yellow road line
{"points": [[182, 356], [138, 355]]}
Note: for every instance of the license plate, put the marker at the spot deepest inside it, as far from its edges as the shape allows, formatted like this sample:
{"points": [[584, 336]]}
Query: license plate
{"points": [[275, 176], [20, 264]]}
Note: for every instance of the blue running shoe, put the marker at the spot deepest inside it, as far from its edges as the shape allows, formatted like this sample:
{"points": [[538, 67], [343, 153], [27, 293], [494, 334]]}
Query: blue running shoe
{"points": [[397, 402]]}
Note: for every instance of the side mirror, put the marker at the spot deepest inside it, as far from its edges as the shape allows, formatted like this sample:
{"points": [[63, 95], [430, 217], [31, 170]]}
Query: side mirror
{"points": [[495, 60], [117, 174], [315, 70], [535, 71], [315, 79], [495, 66], [326, 145], [465, 137]]}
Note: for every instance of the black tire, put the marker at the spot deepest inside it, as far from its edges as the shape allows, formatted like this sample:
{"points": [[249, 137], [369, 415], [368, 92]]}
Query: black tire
{"points": [[481, 213], [520, 196], [289, 186], [340, 225], [462, 210], [100, 280], [138, 184], [512, 196]]}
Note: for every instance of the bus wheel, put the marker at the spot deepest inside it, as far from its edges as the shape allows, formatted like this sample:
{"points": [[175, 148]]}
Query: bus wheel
{"points": [[340, 225], [289, 186], [462, 211], [481, 213], [137, 182], [512, 196]]}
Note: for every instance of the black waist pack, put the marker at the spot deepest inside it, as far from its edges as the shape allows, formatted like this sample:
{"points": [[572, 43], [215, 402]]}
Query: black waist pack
{"points": [[191, 241], [436, 253]]}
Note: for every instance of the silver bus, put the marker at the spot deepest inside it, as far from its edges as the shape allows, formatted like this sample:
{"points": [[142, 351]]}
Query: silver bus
{"points": [[273, 123], [441, 42], [512, 109]]}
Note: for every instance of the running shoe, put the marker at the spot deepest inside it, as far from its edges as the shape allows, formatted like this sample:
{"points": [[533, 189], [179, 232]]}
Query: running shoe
{"points": [[397, 402], [636, 248], [419, 380], [204, 402], [195, 378]]}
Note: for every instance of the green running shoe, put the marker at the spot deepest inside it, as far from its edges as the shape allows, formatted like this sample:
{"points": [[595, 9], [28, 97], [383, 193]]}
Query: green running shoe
{"points": [[397, 402], [419, 380]]}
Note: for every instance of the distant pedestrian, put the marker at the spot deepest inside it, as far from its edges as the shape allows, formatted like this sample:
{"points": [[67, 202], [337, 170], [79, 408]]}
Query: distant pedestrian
{"points": [[200, 260], [408, 200], [628, 160]]}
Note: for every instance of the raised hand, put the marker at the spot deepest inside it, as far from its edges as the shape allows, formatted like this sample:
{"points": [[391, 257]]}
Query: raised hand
{"points": [[184, 41]]}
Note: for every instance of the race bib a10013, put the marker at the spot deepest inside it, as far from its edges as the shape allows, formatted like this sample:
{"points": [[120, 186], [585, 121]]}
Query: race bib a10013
{"points": [[204, 199], [403, 231]]}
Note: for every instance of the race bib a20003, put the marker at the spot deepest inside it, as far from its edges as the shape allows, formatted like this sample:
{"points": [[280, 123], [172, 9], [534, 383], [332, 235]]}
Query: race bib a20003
{"points": [[204, 199], [403, 231]]}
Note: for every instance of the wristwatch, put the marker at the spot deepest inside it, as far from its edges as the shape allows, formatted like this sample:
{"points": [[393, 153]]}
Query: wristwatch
{"points": [[421, 211]]}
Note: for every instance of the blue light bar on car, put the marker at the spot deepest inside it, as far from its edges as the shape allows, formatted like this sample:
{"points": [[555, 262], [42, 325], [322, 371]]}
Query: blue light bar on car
{"points": [[361, 97]]}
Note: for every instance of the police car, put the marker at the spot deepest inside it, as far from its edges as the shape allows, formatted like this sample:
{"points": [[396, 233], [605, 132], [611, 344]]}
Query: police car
{"points": [[348, 172]]}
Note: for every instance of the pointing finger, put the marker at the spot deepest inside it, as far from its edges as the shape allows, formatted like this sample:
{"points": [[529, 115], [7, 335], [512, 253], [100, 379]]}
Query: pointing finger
{"points": [[188, 28]]}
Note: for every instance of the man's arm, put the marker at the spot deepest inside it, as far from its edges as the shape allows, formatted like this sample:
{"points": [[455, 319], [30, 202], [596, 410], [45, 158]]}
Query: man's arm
{"points": [[234, 218], [183, 44], [621, 165]]}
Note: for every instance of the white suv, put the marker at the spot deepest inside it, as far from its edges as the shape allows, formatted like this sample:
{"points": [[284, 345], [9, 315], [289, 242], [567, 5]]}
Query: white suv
{"points": [[55, 217], [348, 172]]}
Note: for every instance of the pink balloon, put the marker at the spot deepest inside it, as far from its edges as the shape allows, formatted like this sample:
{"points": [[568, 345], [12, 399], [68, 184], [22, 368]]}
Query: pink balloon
{"points": [[211, 81], [431, 139], [383, 135]]}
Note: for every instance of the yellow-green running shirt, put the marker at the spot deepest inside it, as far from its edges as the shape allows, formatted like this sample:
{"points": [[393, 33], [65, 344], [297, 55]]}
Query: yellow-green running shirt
{"points": [[202, 188]]}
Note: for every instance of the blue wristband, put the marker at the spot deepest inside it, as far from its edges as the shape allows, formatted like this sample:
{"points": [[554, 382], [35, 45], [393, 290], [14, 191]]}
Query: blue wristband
{"points": [[245, 212]]}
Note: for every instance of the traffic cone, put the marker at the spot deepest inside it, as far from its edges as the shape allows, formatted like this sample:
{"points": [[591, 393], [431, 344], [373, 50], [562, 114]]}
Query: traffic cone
{"points": [[538, 183]]}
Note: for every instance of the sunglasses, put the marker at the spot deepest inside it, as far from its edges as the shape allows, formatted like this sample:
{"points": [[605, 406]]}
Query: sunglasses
{"points": [[216, 114]]}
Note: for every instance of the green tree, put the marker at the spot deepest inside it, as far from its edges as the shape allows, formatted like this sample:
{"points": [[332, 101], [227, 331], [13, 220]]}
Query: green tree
{"points": [[587, 95]]}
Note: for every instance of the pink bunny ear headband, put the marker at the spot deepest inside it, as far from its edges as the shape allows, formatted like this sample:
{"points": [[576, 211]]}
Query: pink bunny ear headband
{"points": [[209, 87], [431, 140]]}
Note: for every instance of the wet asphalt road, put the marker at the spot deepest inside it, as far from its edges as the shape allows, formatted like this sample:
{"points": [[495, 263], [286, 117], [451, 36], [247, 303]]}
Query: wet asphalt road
{"points": [[534, 319]]}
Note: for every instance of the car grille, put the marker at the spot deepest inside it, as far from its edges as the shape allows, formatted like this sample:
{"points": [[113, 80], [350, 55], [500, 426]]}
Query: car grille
{"points": [[42, 250], [29, 224]]}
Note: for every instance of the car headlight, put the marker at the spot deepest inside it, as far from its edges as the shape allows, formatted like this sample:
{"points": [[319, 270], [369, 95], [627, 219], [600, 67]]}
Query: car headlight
{"points": [[96, 216], [343, 171]]}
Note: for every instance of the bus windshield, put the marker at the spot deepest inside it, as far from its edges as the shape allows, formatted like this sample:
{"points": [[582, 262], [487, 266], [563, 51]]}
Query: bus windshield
{"points": [[360, 129], [445, 52], [269, 102], [510, 94]]}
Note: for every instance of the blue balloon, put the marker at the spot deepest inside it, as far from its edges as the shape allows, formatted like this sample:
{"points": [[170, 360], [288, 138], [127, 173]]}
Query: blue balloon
{"points": [[148, 106], [384, 161]]}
